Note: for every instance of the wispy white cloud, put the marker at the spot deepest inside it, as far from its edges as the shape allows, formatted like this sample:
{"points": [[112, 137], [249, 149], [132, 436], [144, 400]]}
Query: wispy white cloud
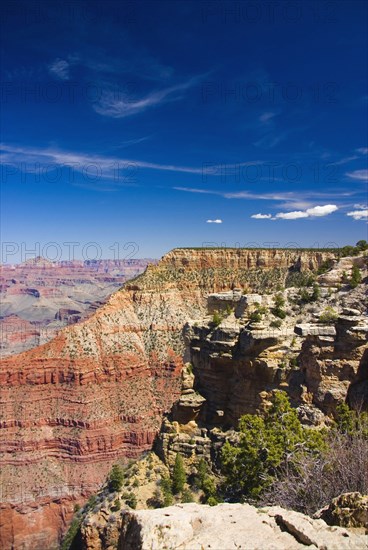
{"points": [[16, 155], [129, 142], [292, 199], [119, 107], [214, 221], [267, 117], [359, 214], [60, 69], [361, 175], [301, 204], [344, 160], [261, 216], [195, 190], [362, 150], [271, 139]]}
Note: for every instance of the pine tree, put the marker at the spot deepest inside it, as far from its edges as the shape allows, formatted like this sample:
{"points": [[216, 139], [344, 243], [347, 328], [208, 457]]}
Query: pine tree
{"points": [[178, 477]]}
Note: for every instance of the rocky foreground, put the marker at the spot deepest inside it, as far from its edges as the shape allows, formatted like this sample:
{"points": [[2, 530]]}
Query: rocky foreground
{"points": [[226, 526]]}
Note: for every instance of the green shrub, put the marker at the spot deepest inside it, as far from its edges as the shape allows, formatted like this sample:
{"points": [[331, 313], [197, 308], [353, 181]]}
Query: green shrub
{"points": [[351, 422], [202, 471], [117, 505], [306, 297], [71, 533], [329, 315], [166, 488], [216, 319], [316, 294], [116, 478], [132, 501], [356, 277], [187, 496], [278, 312], [348, 251], [209, 486], [91, 502], [276, 323], [325, 266], [362, 245], [279, 301], [229, 309], [264, 444], [306, 484], [255, 316]]}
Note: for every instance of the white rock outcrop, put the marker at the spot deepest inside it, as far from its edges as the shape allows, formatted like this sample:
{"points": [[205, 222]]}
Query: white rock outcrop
{"points": [[240, 526]]}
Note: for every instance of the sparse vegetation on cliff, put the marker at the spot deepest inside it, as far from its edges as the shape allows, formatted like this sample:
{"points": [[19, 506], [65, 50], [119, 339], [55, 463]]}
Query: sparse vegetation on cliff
{"points": [[265, 444], [278, 310], [307, 483], [278, 461]]}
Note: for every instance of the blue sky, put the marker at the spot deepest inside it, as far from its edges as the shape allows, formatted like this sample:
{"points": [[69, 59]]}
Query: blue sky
{"points": [[170, 124]]}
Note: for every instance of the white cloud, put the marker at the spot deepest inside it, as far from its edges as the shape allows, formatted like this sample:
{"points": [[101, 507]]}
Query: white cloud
{"points": [[359, 214], [361, 175], [60, 69], [314, 212], [322, 210], [119, 107], [362, 150], [292, 215], [214, 221], [261, 216]]}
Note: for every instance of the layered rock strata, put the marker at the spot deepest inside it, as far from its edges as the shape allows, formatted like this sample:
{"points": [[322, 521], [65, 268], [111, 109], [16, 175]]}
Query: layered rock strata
{"points": [[98, 391]]}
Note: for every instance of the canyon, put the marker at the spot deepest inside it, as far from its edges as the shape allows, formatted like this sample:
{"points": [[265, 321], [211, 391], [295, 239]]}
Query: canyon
{"points": [[39, 297], [103, 388]]}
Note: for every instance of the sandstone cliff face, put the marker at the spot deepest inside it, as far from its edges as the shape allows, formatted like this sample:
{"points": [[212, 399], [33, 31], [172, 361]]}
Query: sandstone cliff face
{"points": [[239, 363], [98, 391]]}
